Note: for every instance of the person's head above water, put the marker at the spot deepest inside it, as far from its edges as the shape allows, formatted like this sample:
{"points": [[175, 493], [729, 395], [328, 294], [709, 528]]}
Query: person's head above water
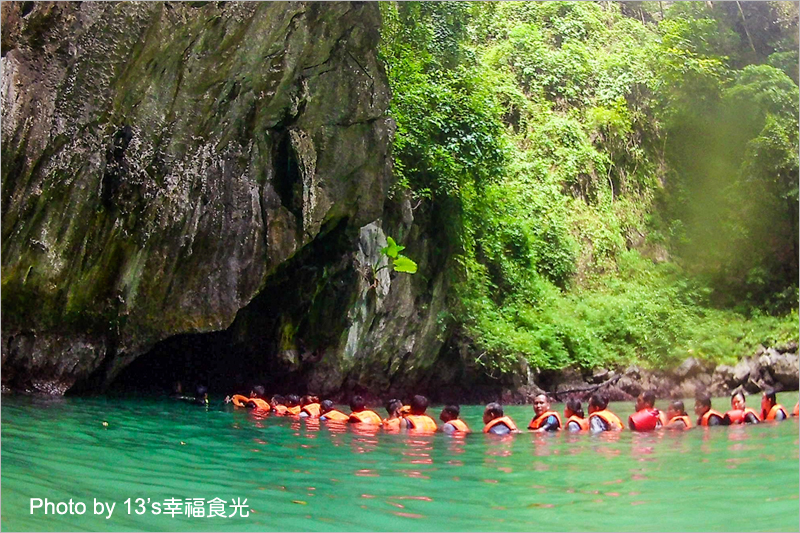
{"points": [[292, 400], [768, 399], [676, 408], [702, 403], [492, 411], [325, 406], [597, 402], [541, 404], [257, 391], [646, 400], [277, 399], [308, 399], [418, 405], [357, 404], [450, 412], [737, 400], [573, 407], [393, 407]]}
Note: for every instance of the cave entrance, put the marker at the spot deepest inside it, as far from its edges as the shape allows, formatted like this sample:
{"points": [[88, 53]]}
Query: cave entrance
{"points": [[210, 359], [273, 341]]}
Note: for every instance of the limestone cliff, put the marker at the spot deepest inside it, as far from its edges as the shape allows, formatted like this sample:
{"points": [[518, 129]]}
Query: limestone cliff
{"points": [[165, 163]]}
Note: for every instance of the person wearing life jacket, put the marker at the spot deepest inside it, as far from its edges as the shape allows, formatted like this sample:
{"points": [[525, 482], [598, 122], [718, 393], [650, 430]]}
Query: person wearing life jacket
{"points": [[600, 418], [392, 422], [770, 408], [293, 406], [278, 405], [309, 406], [495, 422], [646, 417], [706, 416], [417, 421], [573, 412], [740, 413], [360, 414], [545, 419], [239, 400], [677, 417], [452, 424], [327, 412]]}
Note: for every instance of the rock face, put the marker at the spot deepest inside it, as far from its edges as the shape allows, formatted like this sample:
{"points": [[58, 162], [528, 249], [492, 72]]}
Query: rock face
{"points": [[162, 161]]}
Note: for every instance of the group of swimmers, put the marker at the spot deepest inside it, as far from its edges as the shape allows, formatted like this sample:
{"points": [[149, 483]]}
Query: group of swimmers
{"points": [[413, 416]]}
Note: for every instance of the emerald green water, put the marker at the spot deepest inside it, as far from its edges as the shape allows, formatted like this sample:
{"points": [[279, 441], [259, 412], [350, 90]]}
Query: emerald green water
{"points": [[300, 476]]}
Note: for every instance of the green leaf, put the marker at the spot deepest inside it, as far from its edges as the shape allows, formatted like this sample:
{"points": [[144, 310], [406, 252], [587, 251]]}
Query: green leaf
{"points": [[393, 249], [404, 264]]}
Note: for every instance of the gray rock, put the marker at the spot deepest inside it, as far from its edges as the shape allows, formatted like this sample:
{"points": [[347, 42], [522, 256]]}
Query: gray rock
{"points": [[689, 368], [742, 371], [790, 347], [600, 375], [786, 370]]}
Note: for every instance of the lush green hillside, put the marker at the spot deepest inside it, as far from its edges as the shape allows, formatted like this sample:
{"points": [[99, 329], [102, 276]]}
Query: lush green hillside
{"points": [[617, 182]]}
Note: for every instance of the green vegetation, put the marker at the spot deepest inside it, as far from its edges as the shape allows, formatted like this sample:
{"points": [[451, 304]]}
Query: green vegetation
{"points": [[619, 181]]}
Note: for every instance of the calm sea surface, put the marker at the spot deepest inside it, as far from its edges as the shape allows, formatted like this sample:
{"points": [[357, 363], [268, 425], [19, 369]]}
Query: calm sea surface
{"points": [[300, 476]]}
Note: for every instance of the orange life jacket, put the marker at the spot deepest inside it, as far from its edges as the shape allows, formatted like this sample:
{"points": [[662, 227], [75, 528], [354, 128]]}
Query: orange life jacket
{"points": [[336, 416], [366, 417], [737, 416], [280, 409], [293, 411], [645, 420], [261, 405], [459, 424], [239, 401], [703, 420], [421, 423], [391, 424], [680, 418], [537, 422], [796, 410], [609, 418], [502, 420], [312, 410], [774, 411], [582, 422]]}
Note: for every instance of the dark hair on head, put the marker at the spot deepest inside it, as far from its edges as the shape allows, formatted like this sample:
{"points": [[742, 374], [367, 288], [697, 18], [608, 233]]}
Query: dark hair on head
{"points": [[278, 399], [259, 390], [308, 399], [599, 400], [292, 400], [649, 397], [494, 409], [357, 403], [418, 404], [325, 406], [452, 409], [574, 405], [201, 390], [393, 405], [704, 399], [770, 393], [677, 405]]}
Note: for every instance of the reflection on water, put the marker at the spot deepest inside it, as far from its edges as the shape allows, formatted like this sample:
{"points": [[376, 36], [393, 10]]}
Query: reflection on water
{"points": [[312, 475]]}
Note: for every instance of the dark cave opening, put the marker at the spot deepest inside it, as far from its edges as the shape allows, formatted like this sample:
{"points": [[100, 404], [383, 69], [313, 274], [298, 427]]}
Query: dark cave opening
{"points": [[273, 341]]}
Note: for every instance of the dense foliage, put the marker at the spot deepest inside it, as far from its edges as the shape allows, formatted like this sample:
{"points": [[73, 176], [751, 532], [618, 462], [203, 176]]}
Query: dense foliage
{"points": [[620, 180]]}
